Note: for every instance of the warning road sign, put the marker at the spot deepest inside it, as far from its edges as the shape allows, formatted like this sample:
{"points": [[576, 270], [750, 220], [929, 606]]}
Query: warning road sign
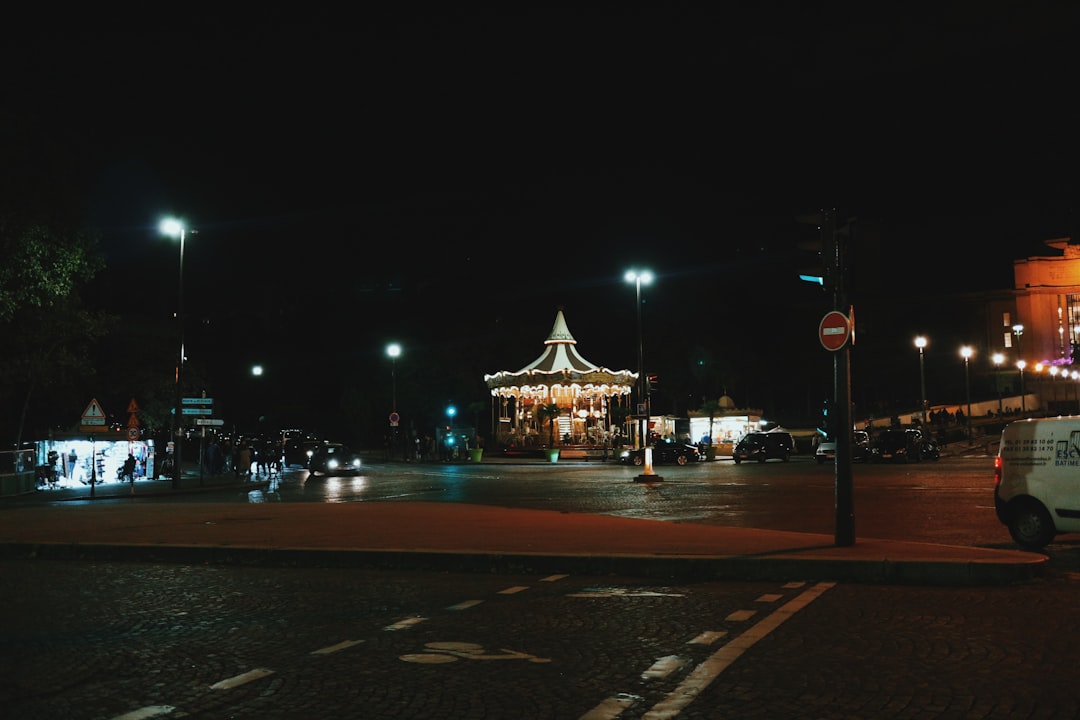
{"points": [[93, 414]]}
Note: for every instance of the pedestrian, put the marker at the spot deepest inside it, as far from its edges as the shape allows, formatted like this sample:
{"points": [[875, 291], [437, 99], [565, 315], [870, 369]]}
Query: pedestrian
{"points": [[244, 466], [129, 471]]}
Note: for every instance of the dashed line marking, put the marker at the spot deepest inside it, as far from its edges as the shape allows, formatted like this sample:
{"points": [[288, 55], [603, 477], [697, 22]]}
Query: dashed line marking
{"points": [[512, 590], [553, 578], [707, 638], [769, 597], [242, 679], [700, 677], [611, 707], [150, 711], [465, 605], [405, 624], [345, 645], [741, 615], [664, 667]]}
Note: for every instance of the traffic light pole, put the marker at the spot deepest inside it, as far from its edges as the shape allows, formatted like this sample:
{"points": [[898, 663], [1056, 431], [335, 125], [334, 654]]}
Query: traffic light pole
{"points": [[835, 241]]}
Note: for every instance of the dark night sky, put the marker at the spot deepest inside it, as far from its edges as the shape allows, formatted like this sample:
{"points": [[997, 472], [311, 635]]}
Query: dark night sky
{"points": [[383, 170]]}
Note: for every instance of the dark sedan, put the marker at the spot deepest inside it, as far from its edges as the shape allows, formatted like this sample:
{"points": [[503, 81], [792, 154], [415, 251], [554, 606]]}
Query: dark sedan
{"points": [[664, 454], [334, 459], [904, 445]]}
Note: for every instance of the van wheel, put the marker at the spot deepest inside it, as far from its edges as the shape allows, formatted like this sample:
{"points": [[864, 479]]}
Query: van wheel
{"points": [[762, 458], [1031, 526], [737, 461]]}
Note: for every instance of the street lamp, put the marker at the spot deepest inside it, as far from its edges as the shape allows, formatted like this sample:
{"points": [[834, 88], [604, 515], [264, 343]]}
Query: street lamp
{"points": [[920, 342], [393, 351], [998, 358], [639, 278], [175, 228], [1023, 400], [965, 352]]}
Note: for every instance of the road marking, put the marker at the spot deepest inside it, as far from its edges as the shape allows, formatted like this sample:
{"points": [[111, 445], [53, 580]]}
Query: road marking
{"points": [[512, 590], [664, 667], [611, 707], [242, 679], [769, 597], [620, 592], [553, 578], [335, 648], [465, 605], [445, 652], [707, 637], [150, 711], [741, 615], [700, 677], [405, 624]]}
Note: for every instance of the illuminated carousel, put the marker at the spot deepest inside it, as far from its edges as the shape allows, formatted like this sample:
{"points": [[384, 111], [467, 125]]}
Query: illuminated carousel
{"points": [[560, 398]]}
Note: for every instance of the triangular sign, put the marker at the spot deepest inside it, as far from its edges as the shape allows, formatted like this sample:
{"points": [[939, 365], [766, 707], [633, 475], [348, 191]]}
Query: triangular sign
{"points": [[132, 406], [93, 410]]}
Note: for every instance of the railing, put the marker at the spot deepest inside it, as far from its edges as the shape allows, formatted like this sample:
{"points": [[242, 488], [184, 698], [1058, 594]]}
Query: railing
{"points": [[18, 473]]}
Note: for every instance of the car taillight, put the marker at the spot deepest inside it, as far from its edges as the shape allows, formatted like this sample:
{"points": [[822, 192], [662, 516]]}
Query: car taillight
{"points": [[997, 471]]}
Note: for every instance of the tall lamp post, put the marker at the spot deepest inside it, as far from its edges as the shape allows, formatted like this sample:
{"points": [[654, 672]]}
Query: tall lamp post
{"points": [[1023, 399], [920, 342], [639, 278], [965, 352], [393, 351], [998, 358], [175, 228]]}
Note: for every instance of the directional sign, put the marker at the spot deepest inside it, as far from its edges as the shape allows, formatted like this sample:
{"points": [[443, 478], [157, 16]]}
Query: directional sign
{"points": [[834, 330], [215, 422], [197, 411], [197, 401]]}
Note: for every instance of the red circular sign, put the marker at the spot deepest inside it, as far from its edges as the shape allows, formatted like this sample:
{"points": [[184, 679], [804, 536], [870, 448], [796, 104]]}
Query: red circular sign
{"points": [[133, 433], [834, 331]]}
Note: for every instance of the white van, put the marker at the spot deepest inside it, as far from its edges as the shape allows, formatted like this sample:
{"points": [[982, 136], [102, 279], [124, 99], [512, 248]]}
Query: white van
{"points": [[1037, 479]]}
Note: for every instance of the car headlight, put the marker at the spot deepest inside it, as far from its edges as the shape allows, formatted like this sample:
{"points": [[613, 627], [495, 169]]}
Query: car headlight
{"points": [[332, 464]]}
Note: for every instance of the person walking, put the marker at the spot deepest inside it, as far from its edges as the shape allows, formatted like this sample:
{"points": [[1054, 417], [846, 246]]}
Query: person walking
{"points": [[129, 471]]}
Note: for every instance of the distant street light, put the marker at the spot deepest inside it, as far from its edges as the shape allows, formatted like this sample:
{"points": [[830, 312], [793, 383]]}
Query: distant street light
{"points": [[175, 228], [998, 358], [393, 351], [920, 342], [639, 278], [1023, 400], [1053, 383], [965, 352]]}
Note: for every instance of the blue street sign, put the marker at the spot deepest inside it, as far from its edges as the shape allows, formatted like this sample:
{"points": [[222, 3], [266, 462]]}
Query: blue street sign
{"points": [[197, 411], [197, 401]]}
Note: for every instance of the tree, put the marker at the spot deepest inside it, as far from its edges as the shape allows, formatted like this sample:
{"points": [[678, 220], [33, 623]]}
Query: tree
{"points": [[710, 408], [549, 412]]}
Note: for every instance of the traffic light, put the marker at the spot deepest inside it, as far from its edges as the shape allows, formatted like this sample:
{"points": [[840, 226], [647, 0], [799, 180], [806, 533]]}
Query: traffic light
{"points": [[651, 382], [826, 250]]}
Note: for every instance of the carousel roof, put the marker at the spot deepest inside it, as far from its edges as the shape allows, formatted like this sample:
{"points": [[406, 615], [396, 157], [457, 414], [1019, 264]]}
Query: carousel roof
{"points": [[561, 361]]}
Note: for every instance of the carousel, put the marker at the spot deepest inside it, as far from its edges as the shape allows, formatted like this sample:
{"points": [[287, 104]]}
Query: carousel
{"points": [[561, 399]]}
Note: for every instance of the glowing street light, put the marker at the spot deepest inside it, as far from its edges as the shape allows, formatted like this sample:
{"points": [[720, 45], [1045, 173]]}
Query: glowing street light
{"points": [[998, 358], [639, 278], [174, 228], [966, 352], [920, 342], [393, 351], [1023, 400]]}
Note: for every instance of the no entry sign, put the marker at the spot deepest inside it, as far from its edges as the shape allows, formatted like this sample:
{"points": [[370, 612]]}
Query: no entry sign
{"points": [[834, 331]]}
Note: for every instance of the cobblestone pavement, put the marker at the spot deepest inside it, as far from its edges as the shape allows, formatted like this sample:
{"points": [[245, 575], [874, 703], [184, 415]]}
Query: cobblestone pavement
{"points": [[104, 640]]}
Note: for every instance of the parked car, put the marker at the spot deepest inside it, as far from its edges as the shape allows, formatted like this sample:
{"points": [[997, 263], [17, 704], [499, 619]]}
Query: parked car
{"points": [[334, 459], [904, 445], [762, 446], [664, 454], [860, 448]]}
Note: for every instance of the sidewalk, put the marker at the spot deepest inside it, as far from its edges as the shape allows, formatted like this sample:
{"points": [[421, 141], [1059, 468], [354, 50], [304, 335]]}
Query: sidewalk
{"points": [[458, 537]]}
